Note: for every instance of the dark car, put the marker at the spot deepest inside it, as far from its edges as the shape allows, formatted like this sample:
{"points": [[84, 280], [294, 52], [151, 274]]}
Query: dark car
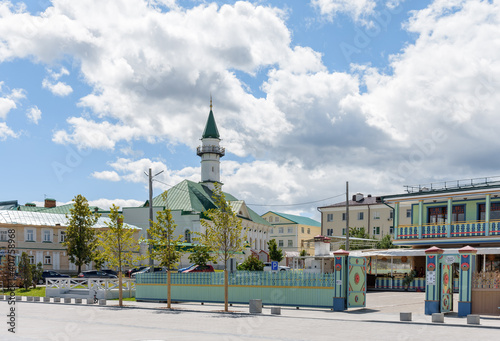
{"points": [[148, 270], [51, 274], [199, 268], [134, 270], [95, 274], [111, 272]]}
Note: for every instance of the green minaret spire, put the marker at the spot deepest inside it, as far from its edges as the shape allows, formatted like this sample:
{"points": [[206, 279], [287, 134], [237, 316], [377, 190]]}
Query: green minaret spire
{"points": [[211, 128]]}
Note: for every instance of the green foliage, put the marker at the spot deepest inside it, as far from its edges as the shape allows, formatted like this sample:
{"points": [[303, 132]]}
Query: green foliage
{"points": [[223, 231], [303, 253], [385, 243], [201, 255], [165, 247], [36, 272], [251, 264], [25, 271], [80, 236], [275, 254], [358, 232]]}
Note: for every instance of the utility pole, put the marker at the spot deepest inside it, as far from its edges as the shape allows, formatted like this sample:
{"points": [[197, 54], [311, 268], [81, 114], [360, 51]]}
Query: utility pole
{"points": [[150, 249], [347, 215]]}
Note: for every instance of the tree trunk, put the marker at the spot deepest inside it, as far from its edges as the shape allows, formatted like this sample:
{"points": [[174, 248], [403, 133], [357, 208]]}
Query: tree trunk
{"points": [[120, 292], [169, 286], [226, 290]]}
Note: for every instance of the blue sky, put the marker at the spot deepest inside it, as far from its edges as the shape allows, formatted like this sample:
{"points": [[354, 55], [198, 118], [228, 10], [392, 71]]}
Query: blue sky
{"points": [[307, 95]]}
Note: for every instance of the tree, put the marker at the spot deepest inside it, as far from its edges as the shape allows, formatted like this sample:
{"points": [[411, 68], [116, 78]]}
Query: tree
{"points": [[222, 233], [81, 240], [25, 271], [385, 243], [117, 245], [303, 254], [251, 264], [201, 255], [37, 272], [165, 248], [275, 254]]}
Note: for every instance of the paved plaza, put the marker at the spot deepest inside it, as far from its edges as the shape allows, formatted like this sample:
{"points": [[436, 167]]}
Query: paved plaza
{"points": [[193, 321]]}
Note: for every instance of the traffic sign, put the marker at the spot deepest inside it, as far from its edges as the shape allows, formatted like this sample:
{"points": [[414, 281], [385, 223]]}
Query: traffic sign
{"points": [[274, 266]]}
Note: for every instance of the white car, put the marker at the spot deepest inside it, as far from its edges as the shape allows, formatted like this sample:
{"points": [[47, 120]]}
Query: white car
{"points": [[267, 267]]}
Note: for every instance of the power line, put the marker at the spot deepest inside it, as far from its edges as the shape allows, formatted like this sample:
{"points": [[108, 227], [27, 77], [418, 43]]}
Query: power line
{"points": [[270, 205]]}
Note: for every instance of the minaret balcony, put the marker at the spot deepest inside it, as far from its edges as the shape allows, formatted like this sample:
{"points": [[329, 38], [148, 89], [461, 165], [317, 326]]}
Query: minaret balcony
{"points": [[210, 149]]}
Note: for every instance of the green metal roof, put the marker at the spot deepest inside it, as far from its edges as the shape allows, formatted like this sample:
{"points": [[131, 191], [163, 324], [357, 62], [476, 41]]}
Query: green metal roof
{"points": [[211, 128], [298, 219], [63, 209], [195, 197]]}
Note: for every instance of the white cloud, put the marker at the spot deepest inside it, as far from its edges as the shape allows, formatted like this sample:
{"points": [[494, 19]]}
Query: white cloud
{"points": [[34, 114], [9, 100], [6, 132], [58, 89], [106, 175], [56, 75], [357, 9], [105, 204]]}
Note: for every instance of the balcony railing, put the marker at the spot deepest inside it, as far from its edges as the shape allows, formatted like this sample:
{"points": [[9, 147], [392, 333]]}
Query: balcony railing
{"points": [[456, 230], [210, 149]]}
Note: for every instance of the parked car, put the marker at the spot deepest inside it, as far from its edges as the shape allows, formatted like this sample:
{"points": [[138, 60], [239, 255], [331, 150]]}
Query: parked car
{"points": [[95, 274], [199, 268], [111, 272], [268, 267], [129, 273], [148, 270], [51, 274], [186, 268]]}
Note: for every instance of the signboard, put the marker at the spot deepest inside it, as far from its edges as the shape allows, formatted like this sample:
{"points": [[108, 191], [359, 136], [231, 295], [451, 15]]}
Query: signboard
{"points": [[339, 282], [274, 266], [431, 277], [449, 259]]}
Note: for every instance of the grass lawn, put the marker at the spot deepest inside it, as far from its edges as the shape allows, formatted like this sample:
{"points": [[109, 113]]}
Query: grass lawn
{"points": [[39, 292], [125, 299]]}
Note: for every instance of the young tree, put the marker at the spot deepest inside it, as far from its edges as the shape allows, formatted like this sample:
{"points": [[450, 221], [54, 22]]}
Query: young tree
{"points": [[222, 233], [251, 264], [36, 272], [201, 255], [303, 254], [275, 254], [118, 246], [80, 240], [385, 243], [25, 271], [165, 246]]}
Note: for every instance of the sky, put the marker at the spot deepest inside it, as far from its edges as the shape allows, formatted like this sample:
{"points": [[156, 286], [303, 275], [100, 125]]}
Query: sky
{"points": [[306, 94]]}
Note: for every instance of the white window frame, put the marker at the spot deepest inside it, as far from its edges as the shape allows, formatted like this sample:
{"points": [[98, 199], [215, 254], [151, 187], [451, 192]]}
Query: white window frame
{"points": [[343, 231], [280, 242], [376, 230], [361, 215], [408, 213], [308, 230], [391, 230], [47, 260], [329, 217], [4, 235], [31, 259], [62, 236], [46, 233], [290, 230], [27, 234], [280, 229], [376, 215], [276, 219], [290, 243]]}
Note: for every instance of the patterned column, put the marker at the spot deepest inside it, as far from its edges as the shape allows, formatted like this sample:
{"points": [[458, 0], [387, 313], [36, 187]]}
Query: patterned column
{"points": [[395, 220], [420, 217], [432, 287], [448, 218], [341, 277], [487, 210], [467, 265]]}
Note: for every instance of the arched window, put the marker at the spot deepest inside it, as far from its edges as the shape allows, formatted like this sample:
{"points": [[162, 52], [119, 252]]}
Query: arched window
{"points": [[187, 236]]}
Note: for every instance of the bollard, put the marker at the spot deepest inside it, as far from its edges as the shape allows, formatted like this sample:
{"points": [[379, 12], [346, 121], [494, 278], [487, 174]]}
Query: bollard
{"points": [[78, 301], [473, 319], [67, 300], [29, 299], [90, 301], [102, 301], [36, 299], [438, 317], [19, 298], [276, 310], [405, 316], [255, 306], [57, 299], [2, 297], [46, 299]]}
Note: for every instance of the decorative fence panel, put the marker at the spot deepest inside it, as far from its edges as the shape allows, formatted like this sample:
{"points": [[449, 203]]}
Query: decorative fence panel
{"points": [[486, 280], [418, 284], [292, 288]]}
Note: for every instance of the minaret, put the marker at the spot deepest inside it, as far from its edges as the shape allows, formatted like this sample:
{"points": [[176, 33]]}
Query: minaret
{"points": [[210, 152]]}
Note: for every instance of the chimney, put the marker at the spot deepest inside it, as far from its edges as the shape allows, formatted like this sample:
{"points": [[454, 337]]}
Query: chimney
{"points": [[359, 197], [49, 203]]}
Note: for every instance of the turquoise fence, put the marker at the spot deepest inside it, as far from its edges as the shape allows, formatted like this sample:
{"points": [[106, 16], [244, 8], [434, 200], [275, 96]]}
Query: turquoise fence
{"points": [[292, 288]]}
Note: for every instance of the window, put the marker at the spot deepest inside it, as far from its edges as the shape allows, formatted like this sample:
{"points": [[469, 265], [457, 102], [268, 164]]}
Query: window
{"points": [[391, 214], [290, 243], [302, 229], [391, 229], [436, 215], [376, 215], [270, 219], [30, 235], [272, 230], [376, 230], [343, 231], [343, 216], [187, 236], [329, 232], [62, 236], [280, 243], [47, 236], [458, 213], [290, 230], [47, 260], [408, 213], [361, 215], [32, 259], [329, 217], [280, 229], [308, 230], [276, 219], [3, 235]]}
